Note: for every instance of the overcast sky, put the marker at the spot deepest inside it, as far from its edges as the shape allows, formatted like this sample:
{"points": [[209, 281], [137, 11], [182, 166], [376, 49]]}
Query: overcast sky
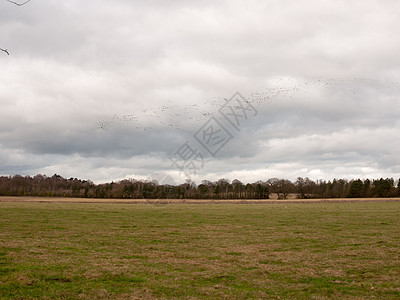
{"points": [[106, 90]]}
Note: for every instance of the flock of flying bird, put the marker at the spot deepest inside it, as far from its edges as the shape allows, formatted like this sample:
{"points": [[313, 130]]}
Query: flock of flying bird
{"points": [[170, 115]]}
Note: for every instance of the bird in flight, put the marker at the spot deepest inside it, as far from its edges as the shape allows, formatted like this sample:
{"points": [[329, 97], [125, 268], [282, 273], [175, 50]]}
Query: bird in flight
{"points": [[5, 50]]}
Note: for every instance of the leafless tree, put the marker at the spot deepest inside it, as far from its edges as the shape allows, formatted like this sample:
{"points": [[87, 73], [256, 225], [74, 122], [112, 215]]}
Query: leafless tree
{"points": [[17, 4]]}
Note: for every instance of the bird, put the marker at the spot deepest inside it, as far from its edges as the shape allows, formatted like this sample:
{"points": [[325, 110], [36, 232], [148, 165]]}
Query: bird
{"points": [[5, 50]]}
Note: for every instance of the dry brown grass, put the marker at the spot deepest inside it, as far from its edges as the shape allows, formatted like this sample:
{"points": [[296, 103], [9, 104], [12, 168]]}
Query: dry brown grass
{"points": [[189, 201]]}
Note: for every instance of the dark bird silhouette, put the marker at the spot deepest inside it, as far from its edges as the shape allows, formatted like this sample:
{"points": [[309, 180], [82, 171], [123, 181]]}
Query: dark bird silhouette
{"points": [[5, 50]]}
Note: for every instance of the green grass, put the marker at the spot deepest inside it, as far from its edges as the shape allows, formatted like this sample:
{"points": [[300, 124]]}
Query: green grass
{"points": [[211, 251]]}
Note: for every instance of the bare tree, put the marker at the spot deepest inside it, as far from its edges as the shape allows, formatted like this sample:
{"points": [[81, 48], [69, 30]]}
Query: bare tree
{"points": [[17, 4]]}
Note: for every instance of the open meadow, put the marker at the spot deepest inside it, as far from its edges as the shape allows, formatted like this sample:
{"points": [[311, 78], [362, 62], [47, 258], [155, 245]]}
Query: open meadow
{"points": [[52, 250]]}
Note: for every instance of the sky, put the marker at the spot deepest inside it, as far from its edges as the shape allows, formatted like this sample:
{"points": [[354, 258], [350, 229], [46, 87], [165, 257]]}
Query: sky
{"points": [[108, 90]]}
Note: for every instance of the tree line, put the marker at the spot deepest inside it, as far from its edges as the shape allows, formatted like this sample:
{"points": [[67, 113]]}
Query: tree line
{"points": [[302, 188]]}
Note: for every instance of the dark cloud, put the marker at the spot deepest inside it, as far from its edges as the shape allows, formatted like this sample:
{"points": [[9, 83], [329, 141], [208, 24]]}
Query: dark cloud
{"points": [[111, 90]]}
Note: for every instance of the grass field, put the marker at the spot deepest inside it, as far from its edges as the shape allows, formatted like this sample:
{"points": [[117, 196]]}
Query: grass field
{"points": [[211, 251]]}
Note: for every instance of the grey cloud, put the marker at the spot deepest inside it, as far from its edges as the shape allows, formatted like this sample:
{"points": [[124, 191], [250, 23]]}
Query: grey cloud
{"points": [[109, 90]]}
